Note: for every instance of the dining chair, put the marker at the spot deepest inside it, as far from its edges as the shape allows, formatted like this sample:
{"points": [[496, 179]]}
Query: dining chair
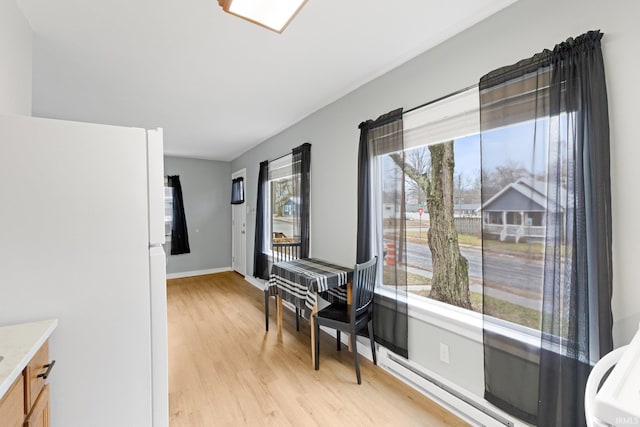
{"points": [[354, 317]]}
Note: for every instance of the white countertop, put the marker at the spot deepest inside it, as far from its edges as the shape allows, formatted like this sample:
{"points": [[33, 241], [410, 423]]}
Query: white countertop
{"points": [[18, 344]]}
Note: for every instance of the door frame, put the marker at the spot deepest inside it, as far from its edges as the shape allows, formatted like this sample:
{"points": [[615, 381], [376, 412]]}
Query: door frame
{"points": [[243, 209]]}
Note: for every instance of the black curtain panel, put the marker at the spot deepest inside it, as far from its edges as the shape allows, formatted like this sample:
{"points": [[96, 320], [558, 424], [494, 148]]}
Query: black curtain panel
{"points": [[553, 108], [260, 255], [365, 238], [381, 142], [237, 191], [179, 234], [301, 166]]}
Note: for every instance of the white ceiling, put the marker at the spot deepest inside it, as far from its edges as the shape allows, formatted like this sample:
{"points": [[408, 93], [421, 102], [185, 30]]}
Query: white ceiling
{"points": [[219, 85]]}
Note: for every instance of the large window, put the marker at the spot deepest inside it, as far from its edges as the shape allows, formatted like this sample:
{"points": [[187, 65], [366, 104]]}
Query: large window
{"points": [[443, 190], [283, 230]]}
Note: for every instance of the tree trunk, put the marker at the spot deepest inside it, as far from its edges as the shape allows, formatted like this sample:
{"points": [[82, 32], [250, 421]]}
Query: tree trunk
{"points": [[450, 281]]}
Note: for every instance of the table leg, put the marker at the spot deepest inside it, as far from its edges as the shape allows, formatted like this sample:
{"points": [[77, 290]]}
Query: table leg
{"points": [[312, 322], [279, 316]]}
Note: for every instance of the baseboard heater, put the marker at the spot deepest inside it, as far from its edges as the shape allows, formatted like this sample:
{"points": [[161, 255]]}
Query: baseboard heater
{"points": [[487, 411]]}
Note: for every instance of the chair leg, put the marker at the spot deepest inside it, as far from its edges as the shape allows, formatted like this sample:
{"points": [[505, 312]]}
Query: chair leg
{"points": [[338, 339], [266, 310], [317, 342], [373, 343], [355, 356], [297, 319]]}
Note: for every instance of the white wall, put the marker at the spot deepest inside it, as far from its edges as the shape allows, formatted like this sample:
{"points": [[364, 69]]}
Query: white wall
{"points": [[515, 33], [15, 60]]}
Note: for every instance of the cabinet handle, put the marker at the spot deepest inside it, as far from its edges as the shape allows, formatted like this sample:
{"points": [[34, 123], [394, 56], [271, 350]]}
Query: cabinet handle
{"points": [[49, 367]]}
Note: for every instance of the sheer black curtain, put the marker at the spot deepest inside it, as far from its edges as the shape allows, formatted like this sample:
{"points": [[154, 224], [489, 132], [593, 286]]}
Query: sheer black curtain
{"points": [[301, 167], [384, 237], [179, 235], [260, 257], [561, 96]]}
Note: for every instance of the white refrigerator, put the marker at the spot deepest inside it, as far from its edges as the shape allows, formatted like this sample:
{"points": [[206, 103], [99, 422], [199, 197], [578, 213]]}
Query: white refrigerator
{"points": [[82, 218]]}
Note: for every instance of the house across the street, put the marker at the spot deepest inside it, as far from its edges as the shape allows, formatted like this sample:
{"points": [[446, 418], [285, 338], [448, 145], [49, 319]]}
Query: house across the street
{"points": [[518, 211]]}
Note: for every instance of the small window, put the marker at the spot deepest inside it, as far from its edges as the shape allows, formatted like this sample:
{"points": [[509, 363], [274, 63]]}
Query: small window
{"points": [[237, 191], [168, 211], [495, 218], [514, 218]]}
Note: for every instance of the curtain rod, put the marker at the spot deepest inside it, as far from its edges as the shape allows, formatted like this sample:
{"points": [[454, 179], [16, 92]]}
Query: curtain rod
{"points": [[289, 153], [441, 98], [279, 157]]}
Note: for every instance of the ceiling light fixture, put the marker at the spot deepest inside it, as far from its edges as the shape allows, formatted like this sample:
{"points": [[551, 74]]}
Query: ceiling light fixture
{"points": [[272, 14]]}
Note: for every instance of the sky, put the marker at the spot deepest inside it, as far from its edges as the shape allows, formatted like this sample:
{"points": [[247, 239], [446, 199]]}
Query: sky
{"points": [[508, 145]]}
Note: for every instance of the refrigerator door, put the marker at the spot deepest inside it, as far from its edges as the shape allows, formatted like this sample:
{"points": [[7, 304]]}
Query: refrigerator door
{"points": [[75, 247], [155, 167], [159, 345]]}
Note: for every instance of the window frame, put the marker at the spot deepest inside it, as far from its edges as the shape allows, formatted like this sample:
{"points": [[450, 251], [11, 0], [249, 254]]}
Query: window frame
{"points": [[279, 169], [464, 322]]}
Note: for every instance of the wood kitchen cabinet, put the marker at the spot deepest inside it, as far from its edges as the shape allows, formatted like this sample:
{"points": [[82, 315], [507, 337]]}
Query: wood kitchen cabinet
{"points": [[12, 404], [36, 392], [27, 401]]}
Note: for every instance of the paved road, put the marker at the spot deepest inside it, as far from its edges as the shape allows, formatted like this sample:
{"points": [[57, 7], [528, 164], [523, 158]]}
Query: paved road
{"points": [[283, 225], [502, 271]]}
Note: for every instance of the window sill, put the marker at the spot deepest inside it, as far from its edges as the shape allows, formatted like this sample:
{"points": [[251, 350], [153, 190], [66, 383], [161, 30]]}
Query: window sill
{"points": [[466, 323], [453, 319]]}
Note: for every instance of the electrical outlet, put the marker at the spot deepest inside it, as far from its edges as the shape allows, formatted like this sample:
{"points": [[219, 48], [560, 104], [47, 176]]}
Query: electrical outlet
{"points": [[444, 353]]}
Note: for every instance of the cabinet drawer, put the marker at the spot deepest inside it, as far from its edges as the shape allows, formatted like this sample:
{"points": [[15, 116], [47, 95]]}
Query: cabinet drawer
{"points": [[34, 385], [12, 405]]}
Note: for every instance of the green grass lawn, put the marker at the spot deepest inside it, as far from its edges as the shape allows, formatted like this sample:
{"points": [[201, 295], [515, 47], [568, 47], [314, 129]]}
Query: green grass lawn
{"points": [[493, 306], [506, 311], [412, 279], [534, 250]]}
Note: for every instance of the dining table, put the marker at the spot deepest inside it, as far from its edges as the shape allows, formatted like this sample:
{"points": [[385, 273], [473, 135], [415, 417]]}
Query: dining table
{"points": [[301, 281]]}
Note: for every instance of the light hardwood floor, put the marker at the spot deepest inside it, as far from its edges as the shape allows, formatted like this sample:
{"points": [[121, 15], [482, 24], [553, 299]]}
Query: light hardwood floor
{"points": [[225, 370]]}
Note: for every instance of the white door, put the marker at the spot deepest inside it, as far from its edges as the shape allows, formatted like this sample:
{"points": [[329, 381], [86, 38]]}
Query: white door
{"points": [[238, 231]]}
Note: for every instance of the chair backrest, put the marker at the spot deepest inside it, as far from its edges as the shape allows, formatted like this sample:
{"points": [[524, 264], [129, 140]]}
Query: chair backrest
{"points": [[364, 283]]}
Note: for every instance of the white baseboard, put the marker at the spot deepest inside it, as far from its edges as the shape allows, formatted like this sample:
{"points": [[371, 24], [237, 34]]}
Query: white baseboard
{"points": [[197, 273], [258, 283], [470, 408]]}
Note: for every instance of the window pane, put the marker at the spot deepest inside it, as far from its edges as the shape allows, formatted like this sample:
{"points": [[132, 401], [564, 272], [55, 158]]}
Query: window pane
{"points": [[284, 208], [466, 214], [514, 211], [499, 214], [168, 212]]}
